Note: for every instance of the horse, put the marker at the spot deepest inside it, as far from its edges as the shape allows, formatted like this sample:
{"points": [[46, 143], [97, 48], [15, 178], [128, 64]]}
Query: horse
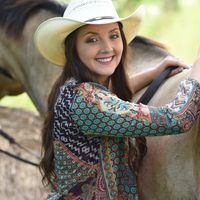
{"points": [[18, 58], [170, 169]]}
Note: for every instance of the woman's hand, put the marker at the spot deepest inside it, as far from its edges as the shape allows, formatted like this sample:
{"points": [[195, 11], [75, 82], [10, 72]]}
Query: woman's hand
{"points": [[138, 81], [171, 61]]}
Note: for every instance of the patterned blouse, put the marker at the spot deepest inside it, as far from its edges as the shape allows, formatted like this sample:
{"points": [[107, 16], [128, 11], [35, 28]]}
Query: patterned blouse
{"points": [[91, 131]]}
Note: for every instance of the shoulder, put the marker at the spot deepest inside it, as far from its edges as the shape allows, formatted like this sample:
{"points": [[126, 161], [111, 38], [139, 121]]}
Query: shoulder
{"points": [[87, 86], [86, 90], [66, 92], [92, 92], [90, 86]]}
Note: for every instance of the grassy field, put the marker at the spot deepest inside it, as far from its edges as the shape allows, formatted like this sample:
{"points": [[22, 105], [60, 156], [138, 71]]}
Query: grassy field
{"points": [[19, 101], [178, 30]]}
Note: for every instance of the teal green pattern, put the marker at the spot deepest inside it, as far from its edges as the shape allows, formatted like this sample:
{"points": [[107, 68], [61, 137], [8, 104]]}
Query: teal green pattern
{"points": [[91, 131]]}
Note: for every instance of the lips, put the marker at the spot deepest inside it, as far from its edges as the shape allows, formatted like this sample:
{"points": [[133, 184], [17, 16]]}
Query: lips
{"points": [[104, 60]]}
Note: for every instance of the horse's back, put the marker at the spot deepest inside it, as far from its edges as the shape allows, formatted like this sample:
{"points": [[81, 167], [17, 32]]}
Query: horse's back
{"points": [[167, 91], [170, 169]]}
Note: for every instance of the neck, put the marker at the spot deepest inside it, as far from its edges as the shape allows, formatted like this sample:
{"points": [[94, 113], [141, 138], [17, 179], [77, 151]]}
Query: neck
{"points": [[105, 81], [108, 84]]}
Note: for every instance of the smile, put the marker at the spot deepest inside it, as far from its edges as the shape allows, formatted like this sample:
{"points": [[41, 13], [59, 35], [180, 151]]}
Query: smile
{"points": [[104, 60]]}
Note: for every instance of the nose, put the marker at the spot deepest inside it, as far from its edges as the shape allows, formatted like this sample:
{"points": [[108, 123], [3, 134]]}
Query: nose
{"points": [[106, 46]]}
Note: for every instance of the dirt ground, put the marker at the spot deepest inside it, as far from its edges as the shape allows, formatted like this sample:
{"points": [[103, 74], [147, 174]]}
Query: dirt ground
{"points": [[20, 181]]}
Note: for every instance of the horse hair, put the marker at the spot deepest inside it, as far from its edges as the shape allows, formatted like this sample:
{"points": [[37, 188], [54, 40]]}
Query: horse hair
{"points": [[14, 13], [147, 42]]}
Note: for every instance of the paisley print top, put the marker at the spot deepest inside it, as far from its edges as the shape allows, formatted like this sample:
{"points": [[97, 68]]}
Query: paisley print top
{"points": [[91, 131]]}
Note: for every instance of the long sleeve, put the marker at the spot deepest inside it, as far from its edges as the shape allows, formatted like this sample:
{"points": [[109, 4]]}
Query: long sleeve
{"points": [[91, 126], [99, 112]]}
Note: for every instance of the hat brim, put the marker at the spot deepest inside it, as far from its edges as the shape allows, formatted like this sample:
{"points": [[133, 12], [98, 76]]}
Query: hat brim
{"points": [[50, 35]]}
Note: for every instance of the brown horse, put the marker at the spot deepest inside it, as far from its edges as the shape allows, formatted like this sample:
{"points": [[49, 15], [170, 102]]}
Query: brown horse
{"points": [[171, 167], [27, 70]]}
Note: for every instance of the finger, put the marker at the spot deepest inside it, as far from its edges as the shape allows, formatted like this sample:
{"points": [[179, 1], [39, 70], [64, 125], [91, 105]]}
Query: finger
{"points": [[175, 61], [175, 72], [182, 64]]}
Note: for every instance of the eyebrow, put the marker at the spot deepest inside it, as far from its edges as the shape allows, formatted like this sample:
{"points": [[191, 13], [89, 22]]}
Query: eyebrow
{"points": [[95, 33]]}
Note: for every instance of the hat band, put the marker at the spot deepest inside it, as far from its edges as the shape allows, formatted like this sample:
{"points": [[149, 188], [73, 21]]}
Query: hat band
{"points": [[99, 18]]}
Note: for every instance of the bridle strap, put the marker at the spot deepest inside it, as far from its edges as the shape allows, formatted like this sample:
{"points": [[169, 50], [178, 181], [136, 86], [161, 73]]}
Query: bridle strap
{"points": [[151, 90]]}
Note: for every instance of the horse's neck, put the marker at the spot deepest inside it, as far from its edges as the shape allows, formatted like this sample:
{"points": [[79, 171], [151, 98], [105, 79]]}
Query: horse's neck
{"points": [[27, 65], [143, 55], [164, 95], [38, 68], [167, 90], [170, 159]]}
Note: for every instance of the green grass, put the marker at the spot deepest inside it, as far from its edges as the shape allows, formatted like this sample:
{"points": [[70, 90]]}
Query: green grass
{"points": [[19, 101], [179, 31]]}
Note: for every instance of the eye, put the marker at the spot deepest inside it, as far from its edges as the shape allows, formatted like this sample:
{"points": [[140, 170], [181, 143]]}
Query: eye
{"points": [[91, 40], [115, 36]]}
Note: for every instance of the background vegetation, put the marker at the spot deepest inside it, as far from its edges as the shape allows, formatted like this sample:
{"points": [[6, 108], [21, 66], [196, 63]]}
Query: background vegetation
{"points": [[174, 23]]}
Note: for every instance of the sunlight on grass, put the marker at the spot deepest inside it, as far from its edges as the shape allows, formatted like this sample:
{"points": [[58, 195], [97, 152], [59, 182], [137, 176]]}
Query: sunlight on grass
{"points": [[19, 101]]}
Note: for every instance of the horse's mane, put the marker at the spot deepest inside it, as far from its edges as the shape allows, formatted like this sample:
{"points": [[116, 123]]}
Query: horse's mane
{"points": [[14, 13], [148, 42]]}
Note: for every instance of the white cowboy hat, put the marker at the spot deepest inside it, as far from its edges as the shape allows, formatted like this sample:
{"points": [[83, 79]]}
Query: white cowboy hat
{"points": [[50, 35]]}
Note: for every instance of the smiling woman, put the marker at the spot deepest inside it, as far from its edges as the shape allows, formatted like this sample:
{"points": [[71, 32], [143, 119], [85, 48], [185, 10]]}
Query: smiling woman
{"points": [[90, 123]]}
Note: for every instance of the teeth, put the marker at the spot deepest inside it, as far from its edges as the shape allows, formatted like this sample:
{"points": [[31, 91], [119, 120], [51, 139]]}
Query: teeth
{"points": [[104, 59]]}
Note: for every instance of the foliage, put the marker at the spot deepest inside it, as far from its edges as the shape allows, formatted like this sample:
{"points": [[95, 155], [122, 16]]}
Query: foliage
{"points": [[177, 29]]}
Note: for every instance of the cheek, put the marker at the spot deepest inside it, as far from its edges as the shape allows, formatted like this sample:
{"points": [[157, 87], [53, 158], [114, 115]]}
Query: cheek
{"points": [[86, 53], [86, 57]]}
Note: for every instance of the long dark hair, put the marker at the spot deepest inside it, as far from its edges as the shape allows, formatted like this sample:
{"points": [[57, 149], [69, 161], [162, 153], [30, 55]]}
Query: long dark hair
{"points": [[74, 68]]}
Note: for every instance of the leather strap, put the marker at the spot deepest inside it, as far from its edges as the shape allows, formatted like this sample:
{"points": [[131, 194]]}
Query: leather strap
{"points": [[151, 90]]}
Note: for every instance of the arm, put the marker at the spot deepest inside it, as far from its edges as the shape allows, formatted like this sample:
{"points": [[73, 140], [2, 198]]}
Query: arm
{"points": [[97, 112], [142, 79]]}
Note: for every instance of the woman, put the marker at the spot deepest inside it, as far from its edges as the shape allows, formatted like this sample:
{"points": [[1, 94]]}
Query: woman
{"points": [[90, 119]]}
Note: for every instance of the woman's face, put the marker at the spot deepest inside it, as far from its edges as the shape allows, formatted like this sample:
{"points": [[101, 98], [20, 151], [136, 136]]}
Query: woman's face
{"points": [[100, 49]]}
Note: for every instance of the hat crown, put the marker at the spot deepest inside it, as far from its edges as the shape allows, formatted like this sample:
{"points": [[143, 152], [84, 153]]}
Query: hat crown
{"points": [[86, 10]]}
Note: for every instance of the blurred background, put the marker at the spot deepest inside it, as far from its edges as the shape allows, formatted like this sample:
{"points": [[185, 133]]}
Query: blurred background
{"points": [[175, 23]]}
